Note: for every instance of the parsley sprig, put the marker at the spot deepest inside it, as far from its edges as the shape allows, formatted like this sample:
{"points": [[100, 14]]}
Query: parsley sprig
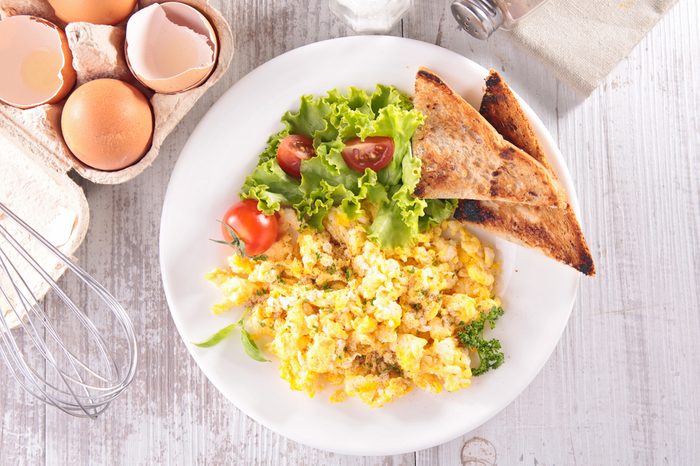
{"points": [[471, 336]]}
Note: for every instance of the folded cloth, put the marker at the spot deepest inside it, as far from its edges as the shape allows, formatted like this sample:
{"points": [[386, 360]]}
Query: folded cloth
{"points": [[583, 40]]}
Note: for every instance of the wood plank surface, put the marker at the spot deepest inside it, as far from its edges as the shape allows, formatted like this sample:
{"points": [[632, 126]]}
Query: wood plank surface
{"points": [[620, 388]]}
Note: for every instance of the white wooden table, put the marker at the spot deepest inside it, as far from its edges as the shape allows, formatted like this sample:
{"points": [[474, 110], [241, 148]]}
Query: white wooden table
{"points": [[622, 387]]}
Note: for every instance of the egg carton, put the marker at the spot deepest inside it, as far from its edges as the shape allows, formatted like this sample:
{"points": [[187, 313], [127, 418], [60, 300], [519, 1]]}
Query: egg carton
{"points": [[98, 52]]}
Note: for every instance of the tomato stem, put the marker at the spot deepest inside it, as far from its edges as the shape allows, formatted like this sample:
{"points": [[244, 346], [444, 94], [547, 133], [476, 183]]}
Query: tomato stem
{"points": [[236, 242]]}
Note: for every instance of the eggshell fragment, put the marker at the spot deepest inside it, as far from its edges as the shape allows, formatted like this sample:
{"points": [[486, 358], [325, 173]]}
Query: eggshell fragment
{"points": [[35, 61], [107, 124], [170, 47]]}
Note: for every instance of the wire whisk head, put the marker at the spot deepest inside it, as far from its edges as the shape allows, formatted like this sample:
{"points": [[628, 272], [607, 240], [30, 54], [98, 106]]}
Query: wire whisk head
{"points": [[76, 350]]}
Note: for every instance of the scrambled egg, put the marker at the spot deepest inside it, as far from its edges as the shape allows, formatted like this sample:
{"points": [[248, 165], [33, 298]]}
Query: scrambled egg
{"points": [[337, 310]]}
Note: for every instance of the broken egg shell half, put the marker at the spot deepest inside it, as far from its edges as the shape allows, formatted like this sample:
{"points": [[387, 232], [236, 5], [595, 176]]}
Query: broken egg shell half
{"points": [[170, 47], [36, 62]]}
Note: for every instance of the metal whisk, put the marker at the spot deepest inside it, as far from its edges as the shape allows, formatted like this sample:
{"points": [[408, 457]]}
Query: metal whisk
{"points": [[80, 378]]}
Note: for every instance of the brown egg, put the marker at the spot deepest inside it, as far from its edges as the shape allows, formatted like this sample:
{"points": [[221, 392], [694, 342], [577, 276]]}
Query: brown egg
{"points": [[35, 63], [93, 11], [107, 124]]}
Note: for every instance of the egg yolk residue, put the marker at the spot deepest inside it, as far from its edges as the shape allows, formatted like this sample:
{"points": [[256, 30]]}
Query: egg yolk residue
{"points": [[337, 310]]}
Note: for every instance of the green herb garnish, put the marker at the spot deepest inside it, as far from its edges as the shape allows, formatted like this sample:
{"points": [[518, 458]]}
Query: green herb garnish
{"points": [[218, 337], [249, 346], [251, 349], [471, 336]]}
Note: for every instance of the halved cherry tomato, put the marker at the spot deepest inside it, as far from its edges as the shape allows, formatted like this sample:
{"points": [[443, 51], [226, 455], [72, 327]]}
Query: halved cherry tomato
{"points": [[255, 230], [375, 152], [291, 151]]}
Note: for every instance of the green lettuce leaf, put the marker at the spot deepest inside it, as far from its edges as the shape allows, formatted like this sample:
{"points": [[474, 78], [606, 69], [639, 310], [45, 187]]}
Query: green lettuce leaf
{"points": [[271, 186], [311, 117], [327, 181]]}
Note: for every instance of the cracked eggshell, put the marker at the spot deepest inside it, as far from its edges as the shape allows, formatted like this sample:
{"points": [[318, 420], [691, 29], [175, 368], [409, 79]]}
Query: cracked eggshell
{"points": [[170, 47], [36, 62]]}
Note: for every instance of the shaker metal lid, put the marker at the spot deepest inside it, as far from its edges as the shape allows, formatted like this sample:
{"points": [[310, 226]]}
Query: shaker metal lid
{"points": [[480, 18]]}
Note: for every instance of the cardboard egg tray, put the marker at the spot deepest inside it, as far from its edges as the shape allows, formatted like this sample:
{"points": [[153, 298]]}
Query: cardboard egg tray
{"points": [[98, 52], [34, 159]]}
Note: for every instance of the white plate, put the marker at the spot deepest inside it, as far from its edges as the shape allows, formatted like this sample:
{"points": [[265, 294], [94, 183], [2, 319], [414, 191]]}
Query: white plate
{"points": [[538, 293]]}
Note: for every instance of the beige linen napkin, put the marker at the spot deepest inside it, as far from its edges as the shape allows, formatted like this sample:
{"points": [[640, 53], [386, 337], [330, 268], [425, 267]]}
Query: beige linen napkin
{"points": [[583, 40]]}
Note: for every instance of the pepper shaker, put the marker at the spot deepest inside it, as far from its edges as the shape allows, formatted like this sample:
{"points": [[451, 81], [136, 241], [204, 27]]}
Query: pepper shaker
{"points": [[481, 18]]}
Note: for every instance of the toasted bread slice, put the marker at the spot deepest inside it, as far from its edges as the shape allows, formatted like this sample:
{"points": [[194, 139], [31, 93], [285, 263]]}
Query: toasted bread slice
{"points": [[464, 157], [554, 231], [500, 108]]}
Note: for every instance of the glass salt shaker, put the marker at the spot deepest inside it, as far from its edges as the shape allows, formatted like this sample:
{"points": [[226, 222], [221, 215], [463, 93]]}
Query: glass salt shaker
{"points": [[481, 18], [370, 16]]}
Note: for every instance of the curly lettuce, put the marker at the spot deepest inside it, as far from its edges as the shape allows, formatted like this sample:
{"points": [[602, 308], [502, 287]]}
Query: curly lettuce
{"points": [[327, 181]]}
